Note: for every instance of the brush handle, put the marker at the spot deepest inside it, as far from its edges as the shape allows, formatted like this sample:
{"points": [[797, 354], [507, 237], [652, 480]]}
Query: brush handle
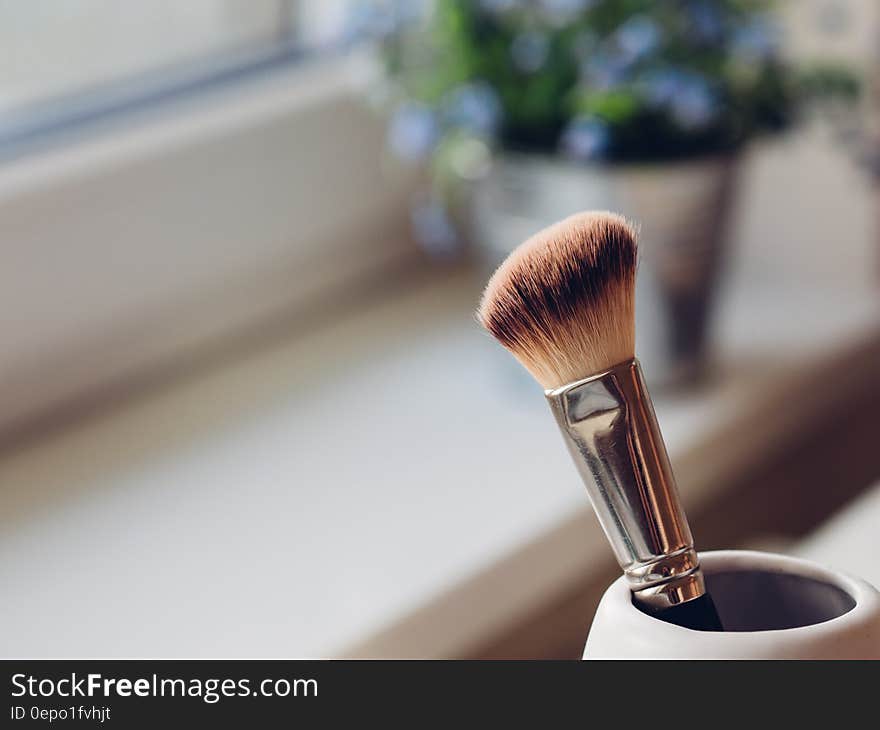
{"points": [[610, 428], [699, 614]]}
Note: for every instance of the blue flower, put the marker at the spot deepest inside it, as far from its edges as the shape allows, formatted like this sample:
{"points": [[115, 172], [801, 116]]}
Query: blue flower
{"points": [[694, 106], [433, 228], [659, 86], [603, 71], [706, 22], [637, 37], [688, 96], [529, 51], [474, 107], [757, 41], [413, 131], [585, 139]]}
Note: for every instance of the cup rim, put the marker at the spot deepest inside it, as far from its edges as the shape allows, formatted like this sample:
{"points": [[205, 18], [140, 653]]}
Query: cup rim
{"points": [[865, 597]]}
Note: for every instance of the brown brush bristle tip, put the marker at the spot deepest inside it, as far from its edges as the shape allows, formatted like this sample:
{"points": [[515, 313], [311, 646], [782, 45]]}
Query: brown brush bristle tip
{"points": [[563, 302]]}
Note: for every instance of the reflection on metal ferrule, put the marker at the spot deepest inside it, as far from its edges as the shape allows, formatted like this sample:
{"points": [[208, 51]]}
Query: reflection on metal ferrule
{"points": [[610, 428]]}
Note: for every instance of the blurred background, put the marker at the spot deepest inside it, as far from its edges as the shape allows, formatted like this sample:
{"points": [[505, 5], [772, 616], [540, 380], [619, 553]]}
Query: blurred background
{"points": [[245, 410]]}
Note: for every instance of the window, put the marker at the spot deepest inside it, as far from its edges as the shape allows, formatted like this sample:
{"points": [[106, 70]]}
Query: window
{"points": [[67, 63], [173, 172]]}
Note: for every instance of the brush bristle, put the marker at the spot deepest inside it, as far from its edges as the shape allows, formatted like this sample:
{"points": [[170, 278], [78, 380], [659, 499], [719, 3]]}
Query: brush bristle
{"points": [[564, 301]]}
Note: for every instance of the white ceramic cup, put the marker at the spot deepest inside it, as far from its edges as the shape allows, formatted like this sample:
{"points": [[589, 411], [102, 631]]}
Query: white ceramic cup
{"points": [[771, 606]]}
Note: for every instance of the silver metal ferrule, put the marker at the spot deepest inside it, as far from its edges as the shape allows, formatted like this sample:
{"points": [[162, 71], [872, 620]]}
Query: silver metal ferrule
{"points": [[611, 430]]}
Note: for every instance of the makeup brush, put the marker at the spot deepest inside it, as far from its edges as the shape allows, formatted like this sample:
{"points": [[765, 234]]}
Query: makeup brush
{"points": [[564, 304]]}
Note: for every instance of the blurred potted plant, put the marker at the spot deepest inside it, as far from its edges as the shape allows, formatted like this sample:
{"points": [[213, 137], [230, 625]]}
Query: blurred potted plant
{"points": [[635, 105]]}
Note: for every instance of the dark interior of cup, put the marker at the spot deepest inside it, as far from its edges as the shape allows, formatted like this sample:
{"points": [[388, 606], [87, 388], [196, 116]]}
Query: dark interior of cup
{"points": [[765, 601]]}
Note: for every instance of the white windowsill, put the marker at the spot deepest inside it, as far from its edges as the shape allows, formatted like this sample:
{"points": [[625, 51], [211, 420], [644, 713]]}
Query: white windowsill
{"points": [[131, 248], [353, 491]]}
